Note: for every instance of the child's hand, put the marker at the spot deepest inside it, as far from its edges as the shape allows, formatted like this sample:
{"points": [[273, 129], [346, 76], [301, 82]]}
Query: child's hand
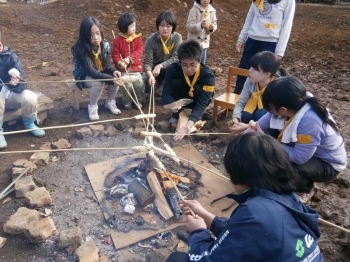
{"points": [[152, 80], [196, 207], [176, 109], [117, 74], [238, 127], [239, 46], [194, 223], [126, 60], [204, 24], [15, 76]]}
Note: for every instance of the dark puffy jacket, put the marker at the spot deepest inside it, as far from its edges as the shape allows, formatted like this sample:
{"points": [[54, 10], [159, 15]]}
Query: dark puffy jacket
{"points": [[9, 60], [264, 227]]}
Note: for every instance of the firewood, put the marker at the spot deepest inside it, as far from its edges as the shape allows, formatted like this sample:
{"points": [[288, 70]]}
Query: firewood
{"points": [[160, 201], [143, 196], [173, 199]]}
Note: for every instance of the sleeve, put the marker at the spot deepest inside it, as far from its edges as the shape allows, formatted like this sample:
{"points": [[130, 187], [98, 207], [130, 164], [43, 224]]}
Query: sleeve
{"points": [[218, 224], [203, 99], [235, 241], [192, 26], [264, 121], [310, 128], [148, 55], [137, 52], [242, 101], [116, 51], [214, 23], [286, 28], [247, 24], [173, 56], [167, 94], [15, 62], [91, 70]]}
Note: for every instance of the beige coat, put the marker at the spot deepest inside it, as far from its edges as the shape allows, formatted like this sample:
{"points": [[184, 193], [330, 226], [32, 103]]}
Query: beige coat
{"points": [[194, 28]]}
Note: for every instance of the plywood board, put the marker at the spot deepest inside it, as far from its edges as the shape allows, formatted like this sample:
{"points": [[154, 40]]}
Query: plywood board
{"points": [[213, 187]]}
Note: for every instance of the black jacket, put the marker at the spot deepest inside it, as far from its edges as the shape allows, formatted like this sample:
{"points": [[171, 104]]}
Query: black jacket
{"points": [[9, 60]]}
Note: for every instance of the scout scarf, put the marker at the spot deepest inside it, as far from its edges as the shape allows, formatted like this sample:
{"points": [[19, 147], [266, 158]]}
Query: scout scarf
{"points": [[97, 59], [166, 49], [130, 38], [195, 78], [206, 18], [255, 99], [259, 4]]}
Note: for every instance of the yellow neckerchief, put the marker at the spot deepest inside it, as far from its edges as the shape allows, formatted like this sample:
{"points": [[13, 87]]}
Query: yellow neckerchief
{"points": [[130, 38], [166, 49], [255, 99], [195, 78], [259, 4], [206, 18], [97, 59], [279, 138]]}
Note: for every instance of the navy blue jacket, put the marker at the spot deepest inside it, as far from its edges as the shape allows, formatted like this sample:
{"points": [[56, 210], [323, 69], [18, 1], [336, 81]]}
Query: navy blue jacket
{"points": [[175, 87], [264, 227], [9, 60]]}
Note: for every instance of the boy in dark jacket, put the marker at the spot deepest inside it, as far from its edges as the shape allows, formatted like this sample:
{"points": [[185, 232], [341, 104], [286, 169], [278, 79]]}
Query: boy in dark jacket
{"points": [[270, 223], [188, 78], [14, 93]]}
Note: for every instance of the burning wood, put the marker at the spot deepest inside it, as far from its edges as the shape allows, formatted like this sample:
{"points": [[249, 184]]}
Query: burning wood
{"points": [[143, 196]]}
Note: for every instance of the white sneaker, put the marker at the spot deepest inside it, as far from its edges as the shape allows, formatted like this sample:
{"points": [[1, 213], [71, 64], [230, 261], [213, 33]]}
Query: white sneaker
{"points": [[110, 104], [93, 113]]}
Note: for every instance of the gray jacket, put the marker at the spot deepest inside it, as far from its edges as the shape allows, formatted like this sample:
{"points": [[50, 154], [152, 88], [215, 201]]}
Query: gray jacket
{"points": [[154, 55], [248, 89]]}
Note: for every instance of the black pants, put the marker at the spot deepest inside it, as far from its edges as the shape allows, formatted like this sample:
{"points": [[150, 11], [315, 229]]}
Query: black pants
{"points": [[251, 47], [178, 257]]}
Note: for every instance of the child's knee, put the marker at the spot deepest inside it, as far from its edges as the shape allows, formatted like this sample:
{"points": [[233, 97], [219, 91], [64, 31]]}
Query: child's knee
{"points": [[29, 98]]}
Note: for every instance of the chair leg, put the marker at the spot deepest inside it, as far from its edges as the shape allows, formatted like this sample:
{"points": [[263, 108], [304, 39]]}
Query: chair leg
{"points": [[215, 113], [75, 98]]}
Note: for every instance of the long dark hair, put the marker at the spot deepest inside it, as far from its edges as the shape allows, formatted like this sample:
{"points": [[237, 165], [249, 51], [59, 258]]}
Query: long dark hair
{"points": [[290, 92], [267, 62], [82, 49], [266, 164]]}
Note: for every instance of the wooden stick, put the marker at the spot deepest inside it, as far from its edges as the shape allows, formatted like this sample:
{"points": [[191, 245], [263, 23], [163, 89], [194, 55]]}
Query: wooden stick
{"points": [[113, 33], [177, 190], [66, 149], [333, 225], [7, 193], [14, 181]]}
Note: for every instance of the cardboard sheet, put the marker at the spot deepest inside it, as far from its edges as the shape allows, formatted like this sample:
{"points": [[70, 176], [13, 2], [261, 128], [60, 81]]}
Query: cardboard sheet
{"points": [[213, 187]]}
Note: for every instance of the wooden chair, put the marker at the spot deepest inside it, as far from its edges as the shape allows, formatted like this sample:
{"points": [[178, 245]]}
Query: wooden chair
{"points": [[228, 100]]}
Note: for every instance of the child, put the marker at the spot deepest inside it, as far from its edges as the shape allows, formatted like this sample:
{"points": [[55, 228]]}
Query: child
{"points": [[264, 68], [14, 94], [201, 23], [306, 130], [266, 28], [188, 78], [92, 61], [161, 51], [127, 54]]}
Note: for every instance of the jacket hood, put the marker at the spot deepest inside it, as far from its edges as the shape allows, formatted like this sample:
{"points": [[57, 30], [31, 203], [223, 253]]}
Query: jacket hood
{"points": [[210, 7], [5, 51], [307, 217]]}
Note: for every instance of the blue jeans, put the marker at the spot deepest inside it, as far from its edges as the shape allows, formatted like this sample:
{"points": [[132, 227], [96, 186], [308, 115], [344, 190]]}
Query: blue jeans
{"points": [[257, 114], [204, 56]]}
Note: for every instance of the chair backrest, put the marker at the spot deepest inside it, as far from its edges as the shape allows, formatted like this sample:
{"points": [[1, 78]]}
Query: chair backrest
{"points": [[234, 71]]}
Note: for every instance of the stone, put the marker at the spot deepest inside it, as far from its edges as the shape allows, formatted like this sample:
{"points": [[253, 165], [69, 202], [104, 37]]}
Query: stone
{"points": [[139, 220], [111, 131], [84, 132], [18, 222], [119, 126], [163, 126], [25, 163], [24, 185], [87, 252], [16, 171], [40, 158], [136, 132], [69, 237], [38, 197], [97, 130], [61, 144], [39, 230], [2, 241]]}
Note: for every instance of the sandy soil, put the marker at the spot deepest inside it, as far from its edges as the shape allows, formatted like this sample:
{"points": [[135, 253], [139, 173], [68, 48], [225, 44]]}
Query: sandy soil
{"points": [[318, 53]]}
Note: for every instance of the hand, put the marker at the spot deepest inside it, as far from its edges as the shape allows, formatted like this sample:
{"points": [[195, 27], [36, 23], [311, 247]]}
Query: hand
{"points": [[196, 207], [238, 127], [15, 76], [117, 74], [211, 28], [257, 128], [156, 71], [194, 223], [279, 57], [152, 80], [180, 134], [239, 46], [204, 24], [122, 64], [126, 60], [176, 109]]}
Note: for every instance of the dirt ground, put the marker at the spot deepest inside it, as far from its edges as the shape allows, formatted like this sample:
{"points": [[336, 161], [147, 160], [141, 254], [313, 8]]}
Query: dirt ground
{"points": [[318, 53]]}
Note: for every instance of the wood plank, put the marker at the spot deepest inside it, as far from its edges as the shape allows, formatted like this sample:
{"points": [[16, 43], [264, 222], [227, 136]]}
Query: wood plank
{"points": [[160, 201]]}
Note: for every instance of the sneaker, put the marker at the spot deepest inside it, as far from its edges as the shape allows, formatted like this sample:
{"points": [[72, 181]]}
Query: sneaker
{"points": [[173, 120], [93, 112], [110, 104], [128, 106]]}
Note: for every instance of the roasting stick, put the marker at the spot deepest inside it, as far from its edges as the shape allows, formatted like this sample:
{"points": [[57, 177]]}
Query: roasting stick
{"points": [[113, 34], [334, 225], [177, 190]]}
